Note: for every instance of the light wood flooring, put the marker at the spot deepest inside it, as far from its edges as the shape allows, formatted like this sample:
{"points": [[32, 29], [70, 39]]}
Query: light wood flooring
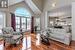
{"points": [[32, 42]]}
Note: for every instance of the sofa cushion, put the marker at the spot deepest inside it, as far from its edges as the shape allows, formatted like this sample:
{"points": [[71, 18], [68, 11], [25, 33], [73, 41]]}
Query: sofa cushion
{"points": [[58, 36]]}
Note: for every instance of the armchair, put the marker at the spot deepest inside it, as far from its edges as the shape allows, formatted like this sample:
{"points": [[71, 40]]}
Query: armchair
{"points": [[11, 36], [45, 36]]}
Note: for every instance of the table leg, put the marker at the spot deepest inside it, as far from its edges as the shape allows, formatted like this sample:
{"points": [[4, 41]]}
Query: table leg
{"points": [[4, 42], [15, 45]]}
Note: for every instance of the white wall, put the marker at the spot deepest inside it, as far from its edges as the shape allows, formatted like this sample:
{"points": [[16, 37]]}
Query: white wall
{"points": [[48, 7], [8, 19], [73, 21], [59, 4]]}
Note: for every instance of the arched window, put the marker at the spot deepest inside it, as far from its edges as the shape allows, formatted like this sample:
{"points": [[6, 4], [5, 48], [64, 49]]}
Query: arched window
{"points": [[23, 19], [22, 12]]}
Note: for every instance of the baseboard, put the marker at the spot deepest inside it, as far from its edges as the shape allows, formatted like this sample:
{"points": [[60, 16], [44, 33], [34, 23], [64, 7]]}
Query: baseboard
{"points": [[73, 40]]}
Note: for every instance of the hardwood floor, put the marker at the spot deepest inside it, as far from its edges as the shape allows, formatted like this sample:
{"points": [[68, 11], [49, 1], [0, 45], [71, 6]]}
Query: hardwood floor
{"points": [[32, 42]]}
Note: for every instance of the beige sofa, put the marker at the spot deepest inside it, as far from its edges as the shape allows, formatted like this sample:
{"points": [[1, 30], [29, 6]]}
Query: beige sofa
{"points": [[60, 35]]}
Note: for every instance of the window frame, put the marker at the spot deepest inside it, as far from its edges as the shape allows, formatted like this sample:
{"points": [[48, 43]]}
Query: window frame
{"points": [[26, 22]]}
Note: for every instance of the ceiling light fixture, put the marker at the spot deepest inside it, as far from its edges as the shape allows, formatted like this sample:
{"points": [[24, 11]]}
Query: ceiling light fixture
{"points": [[54, 4]]}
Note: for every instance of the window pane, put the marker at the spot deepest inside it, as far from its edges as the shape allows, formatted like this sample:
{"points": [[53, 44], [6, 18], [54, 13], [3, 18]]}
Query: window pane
{"points": [[17, 26], [22, 12], [23, 29], [17, 29], [28, 23], [17, 23], [2, 21], [17, 20], [23, 23]]}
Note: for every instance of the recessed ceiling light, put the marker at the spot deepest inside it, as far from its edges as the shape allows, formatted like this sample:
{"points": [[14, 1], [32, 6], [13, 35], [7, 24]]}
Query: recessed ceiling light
{"points": [[54, 4]]}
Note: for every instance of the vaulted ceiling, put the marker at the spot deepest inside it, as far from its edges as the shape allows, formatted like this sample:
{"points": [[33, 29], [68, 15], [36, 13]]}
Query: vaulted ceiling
{"points": [[38, 6], [35, 5], [12, 2]]}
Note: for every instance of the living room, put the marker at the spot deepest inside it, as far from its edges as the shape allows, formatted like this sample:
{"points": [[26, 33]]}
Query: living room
{"points": [[37, 25]]}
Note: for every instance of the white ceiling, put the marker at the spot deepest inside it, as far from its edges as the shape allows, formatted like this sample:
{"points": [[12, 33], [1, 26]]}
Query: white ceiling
{"points": [[12, 2], [59, 3], [62, 8]]}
